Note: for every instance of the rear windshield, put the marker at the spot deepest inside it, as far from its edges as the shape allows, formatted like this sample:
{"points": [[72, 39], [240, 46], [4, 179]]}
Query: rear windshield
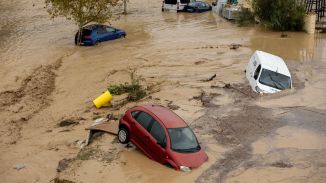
{"points": [[275, 80], [170, 1], [175, 1], [86, 32]]}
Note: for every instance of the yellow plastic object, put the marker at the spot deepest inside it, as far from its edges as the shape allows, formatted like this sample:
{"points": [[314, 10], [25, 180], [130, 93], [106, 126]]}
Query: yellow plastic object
{"points": [[103, 100]]}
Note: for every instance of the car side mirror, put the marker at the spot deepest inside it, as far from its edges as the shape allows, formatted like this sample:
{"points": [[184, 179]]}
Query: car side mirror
{"points": [[162, 144]]}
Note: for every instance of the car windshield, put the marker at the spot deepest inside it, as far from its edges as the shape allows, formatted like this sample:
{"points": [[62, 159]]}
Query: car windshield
{"points": [[183, 140], [275, 80]]}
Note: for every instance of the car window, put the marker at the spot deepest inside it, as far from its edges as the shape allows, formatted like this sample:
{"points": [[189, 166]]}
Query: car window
{"points": [[101, 30], [157, 132], [257, 72], [110, 29], [185, 1], [144, 119], [134, 114]]}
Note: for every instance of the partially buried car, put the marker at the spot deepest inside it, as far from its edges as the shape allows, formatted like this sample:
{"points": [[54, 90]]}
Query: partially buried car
{"points": [[163, 136], [95, 33], [197, 7]]}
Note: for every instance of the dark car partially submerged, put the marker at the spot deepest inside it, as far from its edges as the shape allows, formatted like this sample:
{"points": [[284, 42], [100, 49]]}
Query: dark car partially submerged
{"points": [[95, 33], [197, 7]]}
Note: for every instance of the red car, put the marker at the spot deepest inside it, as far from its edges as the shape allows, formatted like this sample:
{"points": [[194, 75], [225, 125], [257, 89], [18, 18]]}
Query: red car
{"points": [[162, 135]]}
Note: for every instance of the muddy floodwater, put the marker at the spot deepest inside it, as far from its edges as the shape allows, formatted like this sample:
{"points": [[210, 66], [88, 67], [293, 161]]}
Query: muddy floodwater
{"points": [[46, 79]]}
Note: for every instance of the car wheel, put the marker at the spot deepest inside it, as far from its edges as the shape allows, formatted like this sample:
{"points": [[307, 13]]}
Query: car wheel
{"points": [[123, 135], [76, 38]]}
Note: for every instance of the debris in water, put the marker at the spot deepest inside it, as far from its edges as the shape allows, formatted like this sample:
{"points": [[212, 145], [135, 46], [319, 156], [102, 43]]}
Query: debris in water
{"points": [[235, 46], [283, 35], [68, 122], [172, 106], [59, 180], [63, 164], [100, 120], [228, 86], [19, 166], [282, 164], [210, 78], [111, 127]]}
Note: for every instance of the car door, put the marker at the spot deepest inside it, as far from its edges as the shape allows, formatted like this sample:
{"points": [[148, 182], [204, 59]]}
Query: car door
{"points": [[255, 76], [111, 33], [170, 4], [140, 123], [157, 142]]}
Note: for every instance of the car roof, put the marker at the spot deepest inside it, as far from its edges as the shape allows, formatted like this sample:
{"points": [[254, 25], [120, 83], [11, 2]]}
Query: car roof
{"points": [[93, 26], [166, 116], [272, 62]]}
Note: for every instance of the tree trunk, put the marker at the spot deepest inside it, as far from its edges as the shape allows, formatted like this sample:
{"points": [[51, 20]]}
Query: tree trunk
{"points": [[125, 7], [79, 37]]}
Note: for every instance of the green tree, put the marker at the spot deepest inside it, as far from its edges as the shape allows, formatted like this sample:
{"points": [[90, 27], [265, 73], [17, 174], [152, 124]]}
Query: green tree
{"points": [[281, 15], [125, 6], [82, 12]]}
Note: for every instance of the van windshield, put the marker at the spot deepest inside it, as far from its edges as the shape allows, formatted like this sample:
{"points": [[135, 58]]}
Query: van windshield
{"points": [[183, 140], [275, 80]]}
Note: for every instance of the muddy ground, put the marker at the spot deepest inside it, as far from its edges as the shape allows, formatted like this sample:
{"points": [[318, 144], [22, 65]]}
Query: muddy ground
{"points": [[47, 87]]}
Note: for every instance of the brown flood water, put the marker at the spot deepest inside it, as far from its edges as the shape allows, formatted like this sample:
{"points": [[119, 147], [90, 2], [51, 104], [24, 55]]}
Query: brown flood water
{"points": [[173, 53]]}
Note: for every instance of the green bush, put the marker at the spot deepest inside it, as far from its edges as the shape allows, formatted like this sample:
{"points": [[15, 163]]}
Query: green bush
{"points": [[280, 15], [134, 88], [246, 17]]}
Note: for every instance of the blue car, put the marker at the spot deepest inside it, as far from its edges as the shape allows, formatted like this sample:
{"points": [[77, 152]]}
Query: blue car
{"points": [[197, 7], [93, 34]]}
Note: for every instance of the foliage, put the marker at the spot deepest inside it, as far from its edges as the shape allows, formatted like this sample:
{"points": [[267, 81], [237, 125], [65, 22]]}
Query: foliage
{"points": [[280, 15], [134, 88], [82, 12], [246, 17]]}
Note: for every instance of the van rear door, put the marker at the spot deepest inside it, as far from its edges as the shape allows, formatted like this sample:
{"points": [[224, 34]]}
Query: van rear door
{"points": [[170, 4]]}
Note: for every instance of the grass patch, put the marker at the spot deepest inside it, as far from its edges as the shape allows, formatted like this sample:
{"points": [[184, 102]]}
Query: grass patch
{"points": [[135, 90]]}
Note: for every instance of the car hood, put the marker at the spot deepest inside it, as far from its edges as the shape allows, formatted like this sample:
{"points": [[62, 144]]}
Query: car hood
{"points": [[191, 160]]}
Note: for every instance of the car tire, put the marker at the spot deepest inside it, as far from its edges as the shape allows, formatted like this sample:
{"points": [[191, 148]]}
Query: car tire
{"points": [[123, 135]]}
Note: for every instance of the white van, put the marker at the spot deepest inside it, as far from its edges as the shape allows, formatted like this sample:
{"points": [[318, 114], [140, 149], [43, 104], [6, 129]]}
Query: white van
{"points": [[268, 73], [175, 5]]}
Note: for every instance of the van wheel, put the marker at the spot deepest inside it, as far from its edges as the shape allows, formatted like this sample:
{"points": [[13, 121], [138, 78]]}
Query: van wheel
{"points": [[123, 135]]}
